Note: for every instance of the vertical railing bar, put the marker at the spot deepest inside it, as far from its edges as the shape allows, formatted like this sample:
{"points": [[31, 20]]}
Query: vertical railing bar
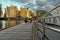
{"points": [[43, 33]]}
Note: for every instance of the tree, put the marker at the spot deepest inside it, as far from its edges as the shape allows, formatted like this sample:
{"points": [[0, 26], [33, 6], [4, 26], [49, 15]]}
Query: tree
{"points": [[41, 13]]}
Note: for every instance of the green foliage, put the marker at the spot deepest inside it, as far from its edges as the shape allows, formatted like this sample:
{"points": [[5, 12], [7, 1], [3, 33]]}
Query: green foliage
{"points": [[49, 15], [40, 13]]}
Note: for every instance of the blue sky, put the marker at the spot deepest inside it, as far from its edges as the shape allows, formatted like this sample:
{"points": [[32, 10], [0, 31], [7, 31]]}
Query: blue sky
{"points": [[31, 4]]}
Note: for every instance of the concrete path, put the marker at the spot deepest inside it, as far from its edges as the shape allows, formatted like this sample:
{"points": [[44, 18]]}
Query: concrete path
{"points": [[19, 32]]}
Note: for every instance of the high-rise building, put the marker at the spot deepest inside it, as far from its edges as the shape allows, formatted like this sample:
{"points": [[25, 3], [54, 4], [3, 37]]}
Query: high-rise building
{"points": [[11, 11], [25, 13], [29, 13], [7, 12], [0, 10]]}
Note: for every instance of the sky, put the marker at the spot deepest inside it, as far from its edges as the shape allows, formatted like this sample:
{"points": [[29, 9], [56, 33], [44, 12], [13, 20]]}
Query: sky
{"points": [[31, 4]]}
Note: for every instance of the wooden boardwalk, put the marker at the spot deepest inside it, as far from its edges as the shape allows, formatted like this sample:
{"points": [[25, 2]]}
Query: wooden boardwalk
{"points": [[18, 32]]}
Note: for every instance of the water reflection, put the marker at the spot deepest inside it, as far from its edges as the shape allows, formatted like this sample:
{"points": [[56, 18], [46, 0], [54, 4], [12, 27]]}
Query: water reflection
{"points": [[6, 24], [11, 23]]}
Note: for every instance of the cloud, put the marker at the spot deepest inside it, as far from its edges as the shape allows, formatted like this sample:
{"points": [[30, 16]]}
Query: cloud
{"points": [[53, 2], [47, 7], [22, 1], [32, 4], [39, 3]]}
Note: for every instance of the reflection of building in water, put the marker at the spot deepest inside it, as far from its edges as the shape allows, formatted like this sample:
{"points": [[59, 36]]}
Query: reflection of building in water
{"points": [[12, 23], [25, 13], [11, 11], [0, 10], [4, 25]]}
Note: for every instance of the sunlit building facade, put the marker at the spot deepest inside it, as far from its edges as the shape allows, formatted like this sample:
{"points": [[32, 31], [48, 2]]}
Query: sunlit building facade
{"points": [[25, 13], [29, 12], [7, 12], [11, 11]]}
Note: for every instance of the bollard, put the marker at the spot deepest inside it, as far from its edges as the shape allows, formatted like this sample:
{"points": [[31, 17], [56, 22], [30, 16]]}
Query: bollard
{"points": [[43, 32]]}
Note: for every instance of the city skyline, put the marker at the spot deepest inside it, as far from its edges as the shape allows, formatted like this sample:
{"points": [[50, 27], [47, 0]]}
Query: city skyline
{"points": [[31, 4]]}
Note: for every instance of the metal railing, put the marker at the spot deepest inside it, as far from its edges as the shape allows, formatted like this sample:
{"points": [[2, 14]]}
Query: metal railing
{"points": [[42, 30], [34, 27]]}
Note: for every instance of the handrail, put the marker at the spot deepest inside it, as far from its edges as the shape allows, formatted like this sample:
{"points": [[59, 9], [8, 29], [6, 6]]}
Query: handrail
{"points": [[43, 31], [54, 8], [51, 28], [51, 10], [44, 26], [44, 34], [34, 32]]}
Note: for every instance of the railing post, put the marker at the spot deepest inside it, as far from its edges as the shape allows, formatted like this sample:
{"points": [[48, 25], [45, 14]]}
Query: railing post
{"points": [[43, 32]]}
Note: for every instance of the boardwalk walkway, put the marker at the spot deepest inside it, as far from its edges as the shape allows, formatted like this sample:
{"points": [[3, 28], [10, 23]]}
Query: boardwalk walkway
{"points": [[19, 32]]}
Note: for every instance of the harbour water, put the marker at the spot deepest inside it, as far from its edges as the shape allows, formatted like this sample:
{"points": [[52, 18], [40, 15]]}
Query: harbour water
{"points": [[6, 24]]}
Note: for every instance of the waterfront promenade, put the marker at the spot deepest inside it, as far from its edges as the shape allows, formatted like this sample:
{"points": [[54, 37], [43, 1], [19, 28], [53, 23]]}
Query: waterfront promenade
{"points": [[19, 32]]}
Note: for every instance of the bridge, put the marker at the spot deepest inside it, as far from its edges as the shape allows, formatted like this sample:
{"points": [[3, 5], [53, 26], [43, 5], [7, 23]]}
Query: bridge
{"points": [[31, 31], [45, 28]]}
